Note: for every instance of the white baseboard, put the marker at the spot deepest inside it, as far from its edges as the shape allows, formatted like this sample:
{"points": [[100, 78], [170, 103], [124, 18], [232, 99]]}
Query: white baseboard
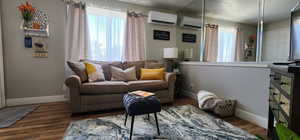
{"points": [[251, 117], [240, 113], [35, 100]]}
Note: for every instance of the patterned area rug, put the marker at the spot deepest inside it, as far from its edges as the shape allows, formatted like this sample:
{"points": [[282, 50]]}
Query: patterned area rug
{"points": [[10, 115], [176, 123]]}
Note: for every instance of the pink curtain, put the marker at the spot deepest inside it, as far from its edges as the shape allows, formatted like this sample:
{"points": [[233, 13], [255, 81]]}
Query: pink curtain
{"points": [[134, 49], [76, 36], [211, 43], [240, 42]]}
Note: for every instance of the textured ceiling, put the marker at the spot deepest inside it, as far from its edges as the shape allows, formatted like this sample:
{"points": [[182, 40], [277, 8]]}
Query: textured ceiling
{"points": [[168, 4], [244, 11], [278, 9]]}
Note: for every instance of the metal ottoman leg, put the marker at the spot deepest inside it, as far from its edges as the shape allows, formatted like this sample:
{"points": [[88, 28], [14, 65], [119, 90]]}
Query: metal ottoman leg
{"points": [[156, 123], [131, 129]]}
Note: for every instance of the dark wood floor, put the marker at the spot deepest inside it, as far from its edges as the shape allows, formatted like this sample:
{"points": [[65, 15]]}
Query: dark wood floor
{"points": [[50, 121]]}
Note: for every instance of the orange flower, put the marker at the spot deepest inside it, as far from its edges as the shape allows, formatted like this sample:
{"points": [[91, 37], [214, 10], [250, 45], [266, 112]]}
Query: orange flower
{"points": [[253, 37], [26, 7], [21, 7], [27, 11]]}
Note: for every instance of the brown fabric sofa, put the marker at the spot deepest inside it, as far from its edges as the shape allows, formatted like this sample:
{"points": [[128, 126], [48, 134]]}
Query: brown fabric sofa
{"points": [[95, 96]]}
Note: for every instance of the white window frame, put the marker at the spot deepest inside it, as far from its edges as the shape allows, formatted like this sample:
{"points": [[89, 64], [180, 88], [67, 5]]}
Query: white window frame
{"points": [[109, 14], [105, 12], [227, 29]]}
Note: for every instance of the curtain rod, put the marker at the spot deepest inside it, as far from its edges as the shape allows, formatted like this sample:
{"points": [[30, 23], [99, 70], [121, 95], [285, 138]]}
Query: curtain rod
{"points": [[77, 3], [128, 11], [72, 1], [84, 3], [133, 13]]}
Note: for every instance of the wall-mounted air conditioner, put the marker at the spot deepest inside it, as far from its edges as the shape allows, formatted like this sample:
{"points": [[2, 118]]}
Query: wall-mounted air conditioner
{"points": [[162, 18], [189, 22]]}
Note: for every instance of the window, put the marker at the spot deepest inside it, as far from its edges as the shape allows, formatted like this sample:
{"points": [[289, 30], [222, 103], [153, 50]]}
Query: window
{"points": [[106, 33], [226, 44]]}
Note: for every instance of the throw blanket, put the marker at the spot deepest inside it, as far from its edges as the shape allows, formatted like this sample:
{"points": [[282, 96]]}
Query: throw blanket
{"points": [[204, 97], [210, 102]]}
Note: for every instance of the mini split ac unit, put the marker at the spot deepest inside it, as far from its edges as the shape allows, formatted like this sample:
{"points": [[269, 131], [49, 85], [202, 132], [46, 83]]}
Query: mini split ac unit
{"points": [[189, 22], [162, 18]]}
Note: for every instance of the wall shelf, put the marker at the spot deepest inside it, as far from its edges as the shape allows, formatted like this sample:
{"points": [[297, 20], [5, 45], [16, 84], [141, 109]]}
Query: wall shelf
{"points": [[35, 32]]}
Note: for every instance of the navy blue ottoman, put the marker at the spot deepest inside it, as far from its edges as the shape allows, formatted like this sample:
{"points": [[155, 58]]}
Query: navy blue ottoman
{"points": [[136, 105]]}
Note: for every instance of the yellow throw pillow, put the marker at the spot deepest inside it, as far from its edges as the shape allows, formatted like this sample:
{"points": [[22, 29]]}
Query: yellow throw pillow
{"points": [[94, 72], [152, 74]]}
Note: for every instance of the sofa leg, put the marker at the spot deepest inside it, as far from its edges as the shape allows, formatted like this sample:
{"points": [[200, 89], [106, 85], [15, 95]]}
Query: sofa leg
{"points": [[131, 128], [125, 118]]}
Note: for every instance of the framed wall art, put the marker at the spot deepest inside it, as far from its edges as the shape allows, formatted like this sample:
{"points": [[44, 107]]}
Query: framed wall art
{"points": [[161, 35], [40, 48], [190, 38]]}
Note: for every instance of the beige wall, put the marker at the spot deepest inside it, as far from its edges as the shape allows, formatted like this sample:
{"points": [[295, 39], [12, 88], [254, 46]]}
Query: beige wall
{"points": [[154, 48], [276, 41], [185, 45], [26, 76]]}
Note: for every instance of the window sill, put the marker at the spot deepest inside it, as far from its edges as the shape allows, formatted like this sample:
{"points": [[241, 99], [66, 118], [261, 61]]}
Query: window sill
{"points": [[229, 64]]}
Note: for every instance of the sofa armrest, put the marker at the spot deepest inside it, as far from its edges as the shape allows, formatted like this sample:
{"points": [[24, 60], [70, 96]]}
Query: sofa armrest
{"points": [[170, 77], [73, 81]]}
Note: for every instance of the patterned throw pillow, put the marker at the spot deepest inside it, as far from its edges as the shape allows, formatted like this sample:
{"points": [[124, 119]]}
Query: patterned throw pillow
{"points": [[118, 74], [79, 69], [94, 72], [152, 74]]}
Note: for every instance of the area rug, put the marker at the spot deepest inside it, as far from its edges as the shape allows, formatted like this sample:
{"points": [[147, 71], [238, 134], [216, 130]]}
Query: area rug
{"points": [[10, 115], [175, 123]]}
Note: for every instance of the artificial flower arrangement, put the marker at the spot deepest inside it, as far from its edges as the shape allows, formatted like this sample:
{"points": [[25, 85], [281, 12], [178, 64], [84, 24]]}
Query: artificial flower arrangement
{"points": [[27, 11], [252, 38]]}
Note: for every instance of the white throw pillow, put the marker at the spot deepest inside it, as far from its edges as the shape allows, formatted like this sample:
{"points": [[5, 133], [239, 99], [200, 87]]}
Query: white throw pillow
{"points": [[94, 72], [118, 74]]}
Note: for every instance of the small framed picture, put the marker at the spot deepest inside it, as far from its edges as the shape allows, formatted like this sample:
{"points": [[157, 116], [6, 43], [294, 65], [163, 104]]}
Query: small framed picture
{"points": [[161, 35], [40, 49], [190, 38]]}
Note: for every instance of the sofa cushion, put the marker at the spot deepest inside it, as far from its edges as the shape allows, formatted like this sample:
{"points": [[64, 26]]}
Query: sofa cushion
{"points": [[118, 74], [147, 85], [94, 71], [137, 64], [79, 69], [153, 74], [105, 87], [106, 67]]}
